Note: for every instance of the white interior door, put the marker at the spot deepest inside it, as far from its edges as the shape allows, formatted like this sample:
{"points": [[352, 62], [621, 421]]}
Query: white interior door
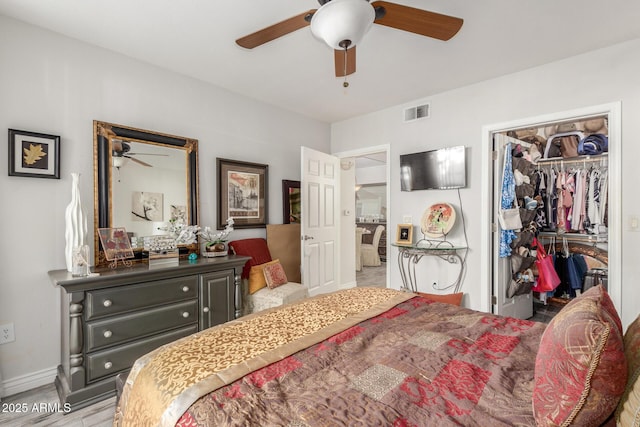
{"points": [[520, 306], [319, 187]]}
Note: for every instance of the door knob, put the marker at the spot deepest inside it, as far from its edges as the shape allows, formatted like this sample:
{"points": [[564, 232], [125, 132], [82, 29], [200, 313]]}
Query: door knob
{"points": [[305, 237]]}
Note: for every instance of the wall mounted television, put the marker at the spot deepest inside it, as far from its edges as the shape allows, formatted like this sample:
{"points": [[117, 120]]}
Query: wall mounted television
{"points": [[441, 169]]}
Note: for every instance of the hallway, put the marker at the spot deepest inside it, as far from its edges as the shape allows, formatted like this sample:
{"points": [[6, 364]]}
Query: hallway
{"points": [[373, 276]]}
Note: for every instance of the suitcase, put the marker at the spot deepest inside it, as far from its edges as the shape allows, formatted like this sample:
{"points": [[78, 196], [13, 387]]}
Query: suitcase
{"points": [[595, 277]]}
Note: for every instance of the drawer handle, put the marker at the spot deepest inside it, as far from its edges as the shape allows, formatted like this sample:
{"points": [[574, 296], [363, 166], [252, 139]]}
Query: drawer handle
{"points": [[108, 365], [107, 334], [185, 314], [206, 309], [107, 303], [185, 289]]}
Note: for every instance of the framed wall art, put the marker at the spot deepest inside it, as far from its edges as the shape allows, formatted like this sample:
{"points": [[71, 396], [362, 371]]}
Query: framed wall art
{"points": [[242, 193], [404, 234], [33, 154], [147, 206], [291, 202]]}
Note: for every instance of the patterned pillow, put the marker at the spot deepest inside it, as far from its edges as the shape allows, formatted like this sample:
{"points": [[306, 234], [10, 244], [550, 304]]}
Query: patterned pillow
{"points": [[628, 412], [580, 370], [274, 275], [256, 276]]}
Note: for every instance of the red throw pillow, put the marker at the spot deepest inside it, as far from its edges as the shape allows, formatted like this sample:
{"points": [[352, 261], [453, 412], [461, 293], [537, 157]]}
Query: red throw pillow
{"points": [[274, 275], [256, 248], [580, 370]]}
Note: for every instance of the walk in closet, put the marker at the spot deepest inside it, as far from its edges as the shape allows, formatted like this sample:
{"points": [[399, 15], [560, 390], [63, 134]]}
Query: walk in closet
{"points": [[556, 175]]}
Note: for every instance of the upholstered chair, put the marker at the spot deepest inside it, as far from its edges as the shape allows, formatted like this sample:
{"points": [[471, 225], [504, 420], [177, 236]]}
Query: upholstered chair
{"points": [[370, 256], [359, 232], [257, 293]]}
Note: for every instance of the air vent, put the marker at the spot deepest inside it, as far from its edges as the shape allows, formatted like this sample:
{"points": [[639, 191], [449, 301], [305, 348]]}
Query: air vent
{"points": [[416, 113]]}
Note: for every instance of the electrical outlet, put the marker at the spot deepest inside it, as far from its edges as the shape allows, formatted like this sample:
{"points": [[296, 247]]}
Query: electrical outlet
{"points": [[6, 333], [407, 219]]}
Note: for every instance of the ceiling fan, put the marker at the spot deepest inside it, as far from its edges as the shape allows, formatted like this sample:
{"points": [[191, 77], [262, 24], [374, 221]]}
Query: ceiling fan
{"points": [[342, 24], [122, 151]]}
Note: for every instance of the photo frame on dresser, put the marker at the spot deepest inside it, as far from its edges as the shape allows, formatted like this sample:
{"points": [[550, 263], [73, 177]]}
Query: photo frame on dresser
{"points": [[33, 154], [242, 193]]}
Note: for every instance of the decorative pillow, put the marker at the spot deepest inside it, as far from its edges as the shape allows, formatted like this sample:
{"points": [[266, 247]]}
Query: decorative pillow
{"points": [[274, 275], [454, 299], [580, 370], [628, 412], [256, 248], [256, 276]]}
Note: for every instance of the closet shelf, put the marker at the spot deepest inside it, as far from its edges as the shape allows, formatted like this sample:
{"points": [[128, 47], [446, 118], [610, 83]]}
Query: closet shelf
{"points": [[595, 158], [576, 237]]}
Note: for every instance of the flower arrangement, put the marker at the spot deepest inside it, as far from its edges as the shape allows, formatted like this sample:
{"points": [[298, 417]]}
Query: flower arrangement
{"points": [[182, 233], [216, 237]]}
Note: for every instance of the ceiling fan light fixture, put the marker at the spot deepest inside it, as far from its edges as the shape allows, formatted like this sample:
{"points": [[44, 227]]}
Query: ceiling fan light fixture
{"points": [[342, 20], [119, 161]]}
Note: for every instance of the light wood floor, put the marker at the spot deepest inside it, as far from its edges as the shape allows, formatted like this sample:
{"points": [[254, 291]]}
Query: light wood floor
{"points": [[39, 403], [372, 276]]}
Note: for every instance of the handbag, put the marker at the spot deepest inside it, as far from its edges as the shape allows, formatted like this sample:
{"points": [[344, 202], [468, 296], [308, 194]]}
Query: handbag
{"points": [[510, 218], [563, 144], [569, 145], [548, 278]]}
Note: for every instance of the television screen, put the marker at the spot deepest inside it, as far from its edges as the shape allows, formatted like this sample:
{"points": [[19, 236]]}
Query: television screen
{"points": [[437, 169]]}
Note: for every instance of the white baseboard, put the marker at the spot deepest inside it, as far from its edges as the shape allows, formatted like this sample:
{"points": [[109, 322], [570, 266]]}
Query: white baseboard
{"points": [[27, 382]]}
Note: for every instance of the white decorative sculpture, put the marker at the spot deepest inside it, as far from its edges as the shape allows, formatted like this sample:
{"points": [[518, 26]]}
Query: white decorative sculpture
{"points": [[75, 222]]}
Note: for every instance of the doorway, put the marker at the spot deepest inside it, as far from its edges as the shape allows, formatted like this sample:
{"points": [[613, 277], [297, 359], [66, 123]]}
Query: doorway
{"points": [[365, 209], [494, 268]]}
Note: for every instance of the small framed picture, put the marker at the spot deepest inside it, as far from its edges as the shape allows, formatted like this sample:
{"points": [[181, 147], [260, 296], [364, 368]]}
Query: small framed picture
{"points": [[291, 202], [115, 243], [34, 155], [404, 234]]}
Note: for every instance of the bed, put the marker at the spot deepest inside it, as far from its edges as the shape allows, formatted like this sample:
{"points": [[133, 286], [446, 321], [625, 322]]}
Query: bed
{"points": [[371, 356]]}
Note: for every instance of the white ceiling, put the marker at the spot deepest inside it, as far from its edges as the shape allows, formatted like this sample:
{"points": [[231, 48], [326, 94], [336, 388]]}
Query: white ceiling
{"points": [[295, 72]]}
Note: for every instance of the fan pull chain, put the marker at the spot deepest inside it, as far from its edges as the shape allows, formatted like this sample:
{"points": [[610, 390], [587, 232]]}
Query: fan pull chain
{"points": [[345, 83]]}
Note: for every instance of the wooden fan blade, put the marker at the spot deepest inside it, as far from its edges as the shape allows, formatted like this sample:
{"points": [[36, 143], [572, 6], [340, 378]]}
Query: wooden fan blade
{"points": [[338, 56], [140, 162], [117, 145], [418, 21], [274, 31]]}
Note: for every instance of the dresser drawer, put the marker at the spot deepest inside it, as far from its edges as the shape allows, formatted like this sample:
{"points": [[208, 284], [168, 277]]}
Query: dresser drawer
{"points": [[121, 299], [111, 361], [112, 331]]}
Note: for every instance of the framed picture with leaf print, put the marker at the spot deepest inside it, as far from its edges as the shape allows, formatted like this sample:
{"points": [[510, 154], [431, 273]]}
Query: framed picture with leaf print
{"points": [[35, 155]]}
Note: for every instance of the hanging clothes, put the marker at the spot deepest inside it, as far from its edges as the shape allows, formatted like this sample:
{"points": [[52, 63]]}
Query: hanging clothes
{"points": [[507, 196], [575, 200]]}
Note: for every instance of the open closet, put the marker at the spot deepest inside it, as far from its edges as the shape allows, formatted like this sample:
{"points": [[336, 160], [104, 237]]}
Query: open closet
{"points": [[552, 198]]}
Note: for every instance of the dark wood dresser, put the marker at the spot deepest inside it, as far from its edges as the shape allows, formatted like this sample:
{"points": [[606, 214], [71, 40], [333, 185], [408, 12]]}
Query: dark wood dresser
{"points": [[111, 319]]}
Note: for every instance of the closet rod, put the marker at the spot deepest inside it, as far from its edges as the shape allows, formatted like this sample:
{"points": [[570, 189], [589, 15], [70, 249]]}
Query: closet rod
{"points": [[573, 160], [576, 237]]}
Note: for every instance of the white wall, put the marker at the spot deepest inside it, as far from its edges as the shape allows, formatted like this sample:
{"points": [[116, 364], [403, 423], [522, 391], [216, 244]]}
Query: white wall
{"points": [[457, 117], [56, 85]]}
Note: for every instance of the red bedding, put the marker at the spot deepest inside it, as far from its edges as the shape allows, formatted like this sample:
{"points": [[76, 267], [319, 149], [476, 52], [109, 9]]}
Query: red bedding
{"points": [[420, 363]]}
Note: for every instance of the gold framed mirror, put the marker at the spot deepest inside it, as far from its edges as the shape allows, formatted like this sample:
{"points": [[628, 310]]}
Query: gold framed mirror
{"points": [[142, 180]]}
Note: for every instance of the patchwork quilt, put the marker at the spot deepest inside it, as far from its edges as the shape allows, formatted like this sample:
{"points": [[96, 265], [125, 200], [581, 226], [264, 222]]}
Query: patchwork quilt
{"points": [[389, 358]]}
